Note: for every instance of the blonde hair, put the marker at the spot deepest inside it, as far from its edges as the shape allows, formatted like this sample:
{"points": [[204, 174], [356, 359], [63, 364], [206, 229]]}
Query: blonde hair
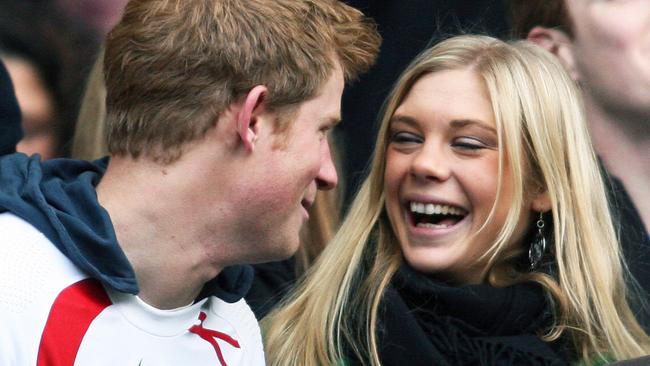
{"points": [[541, 127], [173, 66], [89, 142]]}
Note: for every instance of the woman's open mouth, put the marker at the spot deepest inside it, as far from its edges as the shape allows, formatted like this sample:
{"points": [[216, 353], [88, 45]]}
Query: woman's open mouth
{"points": [[434, 216]]}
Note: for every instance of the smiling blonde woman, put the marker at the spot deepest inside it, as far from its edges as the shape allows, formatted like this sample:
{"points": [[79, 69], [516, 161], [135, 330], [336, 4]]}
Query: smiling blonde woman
{"points": [[482, 234]]}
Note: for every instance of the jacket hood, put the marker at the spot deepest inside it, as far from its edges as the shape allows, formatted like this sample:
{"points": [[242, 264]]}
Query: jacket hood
{"points": [[58, 198]]}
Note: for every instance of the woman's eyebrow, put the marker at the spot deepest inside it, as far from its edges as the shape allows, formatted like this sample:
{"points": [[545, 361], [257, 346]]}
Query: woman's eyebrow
{"points": [[460, 123], [404, 119]]}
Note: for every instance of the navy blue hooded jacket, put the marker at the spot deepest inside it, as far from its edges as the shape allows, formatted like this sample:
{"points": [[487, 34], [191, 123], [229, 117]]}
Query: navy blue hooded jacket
{"points": [[58, 198]]}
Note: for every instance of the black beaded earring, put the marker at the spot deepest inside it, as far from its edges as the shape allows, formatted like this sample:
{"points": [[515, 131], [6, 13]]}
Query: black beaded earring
{"points": [[538, 246]]}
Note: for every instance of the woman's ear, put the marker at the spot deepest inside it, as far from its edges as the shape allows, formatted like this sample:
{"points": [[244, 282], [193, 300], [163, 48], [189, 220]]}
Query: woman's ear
{"points": [[542, 201]]}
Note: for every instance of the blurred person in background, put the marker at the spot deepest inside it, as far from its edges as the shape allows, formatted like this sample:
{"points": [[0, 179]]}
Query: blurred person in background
{"points": [[605, 46], [47, 57], [98, 15], [10, 129]]}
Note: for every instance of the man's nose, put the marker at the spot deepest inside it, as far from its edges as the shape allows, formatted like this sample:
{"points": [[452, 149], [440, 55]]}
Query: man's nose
{"points": [[327, 177]]}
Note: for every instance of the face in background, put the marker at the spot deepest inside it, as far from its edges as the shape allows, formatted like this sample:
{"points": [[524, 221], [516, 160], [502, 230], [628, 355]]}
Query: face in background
{"points": [[441, 176], [611, 50], [37, 108], [101, 15], [289, 171]]}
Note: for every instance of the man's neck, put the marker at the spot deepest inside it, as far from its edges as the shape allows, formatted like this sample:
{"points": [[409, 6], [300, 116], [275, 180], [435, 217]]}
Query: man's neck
{"points": [[625, 152], [162, 245]]}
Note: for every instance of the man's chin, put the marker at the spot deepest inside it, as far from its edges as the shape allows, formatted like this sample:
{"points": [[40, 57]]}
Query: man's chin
{"points": [[278, 253]]}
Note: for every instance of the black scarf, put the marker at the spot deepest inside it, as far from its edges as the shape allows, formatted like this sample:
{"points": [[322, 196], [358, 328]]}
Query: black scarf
{"points": [[425, 322]]}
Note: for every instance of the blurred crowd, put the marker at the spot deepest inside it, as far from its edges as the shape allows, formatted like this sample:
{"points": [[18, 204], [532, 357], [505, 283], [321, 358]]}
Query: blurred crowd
{"points": [[48, 48]]}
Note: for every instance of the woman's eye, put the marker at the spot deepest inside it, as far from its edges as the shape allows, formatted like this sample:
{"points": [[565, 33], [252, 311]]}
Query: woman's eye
{"points": [[402, 137], [469, 143]]}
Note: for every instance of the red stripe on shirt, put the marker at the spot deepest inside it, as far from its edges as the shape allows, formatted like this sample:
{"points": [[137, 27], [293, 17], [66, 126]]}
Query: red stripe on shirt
{"points": [[71, 314]]}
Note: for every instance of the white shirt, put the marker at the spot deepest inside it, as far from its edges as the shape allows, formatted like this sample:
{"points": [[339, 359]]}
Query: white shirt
{"points": [[53, 314]]}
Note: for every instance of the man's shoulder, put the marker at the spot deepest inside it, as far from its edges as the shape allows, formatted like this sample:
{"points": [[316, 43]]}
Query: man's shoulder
{"points": [[26, 255], [32, 269], [33, 273], [17, 230]]}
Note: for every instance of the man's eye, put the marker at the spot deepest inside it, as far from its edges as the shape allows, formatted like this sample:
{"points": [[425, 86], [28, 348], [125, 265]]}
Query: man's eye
{"points": [[401, 137]]}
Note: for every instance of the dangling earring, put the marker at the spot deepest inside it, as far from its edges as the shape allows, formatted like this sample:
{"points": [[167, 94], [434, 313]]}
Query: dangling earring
{"points": [[538, 246]]}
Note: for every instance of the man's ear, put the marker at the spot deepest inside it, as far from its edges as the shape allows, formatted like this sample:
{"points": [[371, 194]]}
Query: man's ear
{"points": [[559, 44], [248, 116]]}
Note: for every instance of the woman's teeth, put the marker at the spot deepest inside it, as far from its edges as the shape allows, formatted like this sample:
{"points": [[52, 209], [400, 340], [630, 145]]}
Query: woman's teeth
{"points": [[432, 226], [433, 216], [431, 209]]}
